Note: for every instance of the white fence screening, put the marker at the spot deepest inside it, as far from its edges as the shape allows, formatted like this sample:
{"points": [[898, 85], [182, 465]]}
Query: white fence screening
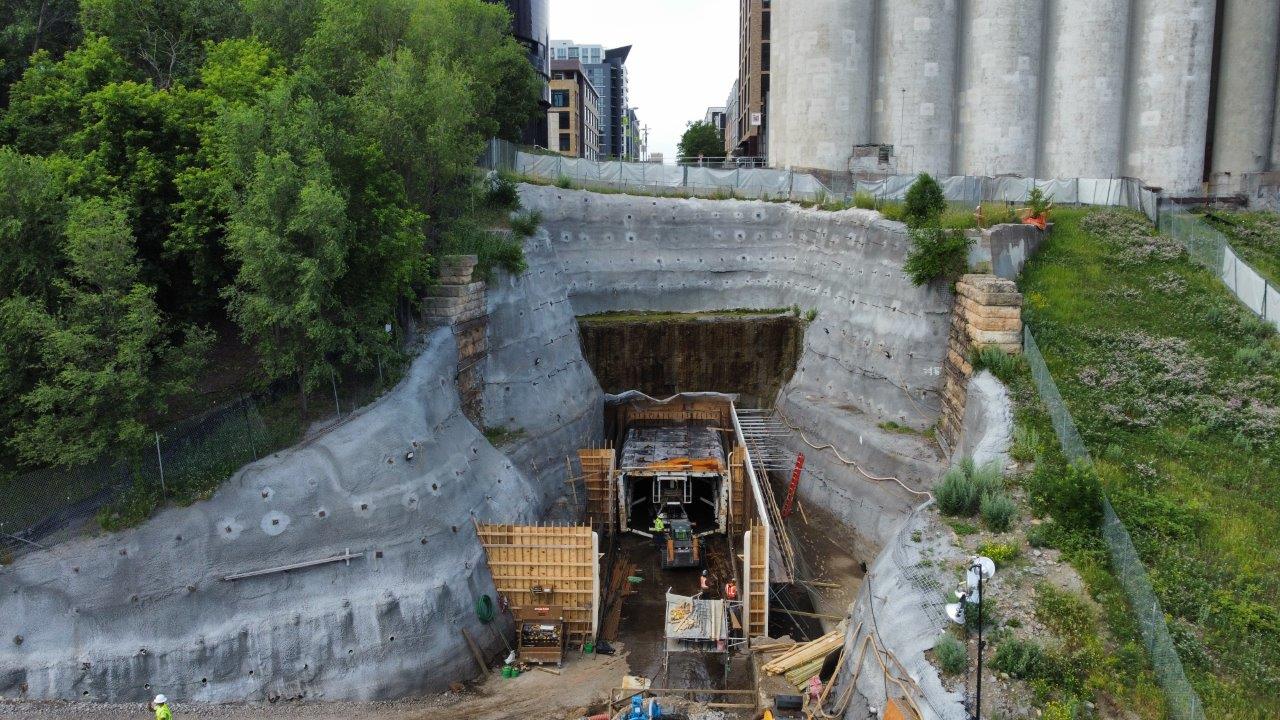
{"points": [[1210, 248]]}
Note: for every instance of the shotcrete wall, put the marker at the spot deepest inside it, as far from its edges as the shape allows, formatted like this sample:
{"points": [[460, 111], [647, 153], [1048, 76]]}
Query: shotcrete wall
{"points": [[1000, 87], [123, 616], [1244, 117], [915, 83], [1084, 90], [872, 353]]}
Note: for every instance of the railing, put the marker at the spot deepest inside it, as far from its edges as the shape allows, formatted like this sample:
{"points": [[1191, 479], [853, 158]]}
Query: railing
{"points": [[1183, 702]]}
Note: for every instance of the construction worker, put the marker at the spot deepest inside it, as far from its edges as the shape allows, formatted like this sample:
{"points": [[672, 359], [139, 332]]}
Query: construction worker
{"points": [[704, 584], [731, 590], [659, 530], [161, 706]]}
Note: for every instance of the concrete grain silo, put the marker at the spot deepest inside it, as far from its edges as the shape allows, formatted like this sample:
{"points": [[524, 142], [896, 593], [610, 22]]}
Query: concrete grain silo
{"points": [[821, 62], [1086, 57], [915, 84], [1244, 118], [1000, 87], [1168, 114]]}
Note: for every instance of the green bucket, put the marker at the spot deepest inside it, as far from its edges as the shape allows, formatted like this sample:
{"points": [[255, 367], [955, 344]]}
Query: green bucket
{"points": [[588, 647], [506, 671]]}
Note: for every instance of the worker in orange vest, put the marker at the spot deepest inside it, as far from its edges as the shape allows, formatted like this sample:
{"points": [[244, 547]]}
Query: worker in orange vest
{"points": [[731, 590], [704, 584]]}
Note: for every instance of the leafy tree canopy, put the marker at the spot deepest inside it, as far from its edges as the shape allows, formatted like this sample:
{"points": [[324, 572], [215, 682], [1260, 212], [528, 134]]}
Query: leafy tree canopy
{"points": [[700, 139]]}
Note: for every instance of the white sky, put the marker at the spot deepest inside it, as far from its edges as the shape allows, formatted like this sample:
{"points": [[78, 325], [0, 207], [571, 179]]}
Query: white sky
{"points": [[684, 55]]}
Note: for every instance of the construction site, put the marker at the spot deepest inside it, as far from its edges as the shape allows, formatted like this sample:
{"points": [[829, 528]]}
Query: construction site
{"points": [[705, 548]]}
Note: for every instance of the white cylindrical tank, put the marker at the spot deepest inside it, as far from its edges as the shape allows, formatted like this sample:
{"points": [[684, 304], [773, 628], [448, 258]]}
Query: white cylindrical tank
{"points": [[1244, 117], [820, 79], [1086, 57], [915, 83], [1168, 115], [1275, 133], [999, 87]]}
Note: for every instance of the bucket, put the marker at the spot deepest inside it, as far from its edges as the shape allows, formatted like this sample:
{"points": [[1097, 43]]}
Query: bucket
{"points": [[588, 647], [506, 671]]}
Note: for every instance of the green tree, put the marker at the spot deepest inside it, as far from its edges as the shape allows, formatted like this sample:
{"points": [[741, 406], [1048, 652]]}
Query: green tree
{"points": [[45, 104], [700, 139], [925, 203], [32, 214], [29, 26], [164, 38], [107, 359]]}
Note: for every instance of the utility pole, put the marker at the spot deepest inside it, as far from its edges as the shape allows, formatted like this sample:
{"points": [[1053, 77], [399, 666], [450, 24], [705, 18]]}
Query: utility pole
{"points": [[977, 708], [645, 146]]}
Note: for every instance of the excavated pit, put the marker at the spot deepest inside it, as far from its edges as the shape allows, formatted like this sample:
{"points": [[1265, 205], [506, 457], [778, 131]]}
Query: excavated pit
{"points": [[113, 617]]}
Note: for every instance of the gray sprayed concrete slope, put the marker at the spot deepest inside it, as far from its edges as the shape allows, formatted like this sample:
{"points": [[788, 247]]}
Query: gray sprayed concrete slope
{"points": [[123, 616], [872, 353]]}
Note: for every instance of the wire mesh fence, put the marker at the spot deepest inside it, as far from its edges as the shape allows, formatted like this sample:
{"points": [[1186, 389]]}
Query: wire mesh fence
{"points": [[1182, 700], [1210, 248], [186, 461]]}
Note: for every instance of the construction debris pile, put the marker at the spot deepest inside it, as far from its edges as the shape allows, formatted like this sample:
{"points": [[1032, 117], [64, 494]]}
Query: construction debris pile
{"points": [[799, 663]]}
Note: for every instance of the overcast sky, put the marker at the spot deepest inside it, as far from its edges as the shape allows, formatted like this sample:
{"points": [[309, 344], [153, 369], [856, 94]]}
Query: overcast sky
{"points": [[683, 55]]}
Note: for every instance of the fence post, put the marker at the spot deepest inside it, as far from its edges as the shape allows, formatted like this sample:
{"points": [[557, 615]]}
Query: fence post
{"points": [[164, 491], [334, 383]]}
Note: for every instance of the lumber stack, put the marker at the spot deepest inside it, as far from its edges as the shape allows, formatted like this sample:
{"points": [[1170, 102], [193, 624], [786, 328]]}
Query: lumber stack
{"points": [[804, 660]]}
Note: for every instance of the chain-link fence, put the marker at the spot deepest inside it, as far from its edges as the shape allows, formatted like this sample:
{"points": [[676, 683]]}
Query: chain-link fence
{"points": [[1183, 702], [1210, 248], [185, 462]]}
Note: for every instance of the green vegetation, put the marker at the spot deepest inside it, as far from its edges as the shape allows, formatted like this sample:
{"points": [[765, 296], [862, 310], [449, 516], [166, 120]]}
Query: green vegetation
{"points": [[896, 428], [936, 252], [277, 174], [1026, 443], [1145, 347], [1002, 553], [998, 511], [498, 436], [991, 357], [700, 139], [1255, 236], [952, 656]]}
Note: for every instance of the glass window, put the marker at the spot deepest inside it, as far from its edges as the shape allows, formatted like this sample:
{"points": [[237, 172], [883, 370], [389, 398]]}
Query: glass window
{"points": [[560, 98], [564, 120], [573, 53], [566, 141]]}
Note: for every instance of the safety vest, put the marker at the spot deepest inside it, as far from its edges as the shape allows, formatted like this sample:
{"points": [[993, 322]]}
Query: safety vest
{"points": [[659, 525], [163, 713]]}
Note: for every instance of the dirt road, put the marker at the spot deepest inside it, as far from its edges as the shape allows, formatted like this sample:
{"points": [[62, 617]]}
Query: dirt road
{"points": [[584, 686]]}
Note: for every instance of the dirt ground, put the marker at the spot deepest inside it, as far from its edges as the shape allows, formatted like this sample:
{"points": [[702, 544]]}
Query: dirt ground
{"points": [[582, 688]]}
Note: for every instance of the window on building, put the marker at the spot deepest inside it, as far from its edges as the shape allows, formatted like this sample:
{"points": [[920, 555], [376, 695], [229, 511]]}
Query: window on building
{"points": [[764, 56], [566, 142], [560, 98], [564, 120], [573, 53]]}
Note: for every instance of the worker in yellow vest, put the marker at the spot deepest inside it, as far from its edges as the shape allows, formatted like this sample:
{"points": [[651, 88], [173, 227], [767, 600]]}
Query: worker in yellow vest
{"points": [[161, 706], [659, 530]]}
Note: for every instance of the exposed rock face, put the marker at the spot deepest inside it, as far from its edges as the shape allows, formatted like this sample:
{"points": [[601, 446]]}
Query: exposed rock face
{"points": [[750, 355]]}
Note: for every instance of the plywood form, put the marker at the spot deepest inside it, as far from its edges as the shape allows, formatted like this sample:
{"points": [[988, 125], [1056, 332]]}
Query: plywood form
{"points": [[563, 558], [597, 474]]}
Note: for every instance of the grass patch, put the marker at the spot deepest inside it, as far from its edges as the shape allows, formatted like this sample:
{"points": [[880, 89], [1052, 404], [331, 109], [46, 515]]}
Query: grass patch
{"points": [[627, 316], [1255, 236], [893, 427], [1145, 348], [499, 436]]}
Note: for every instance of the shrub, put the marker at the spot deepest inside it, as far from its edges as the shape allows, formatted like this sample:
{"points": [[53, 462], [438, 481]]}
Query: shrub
{"points": [[925, 203], [563, 182], [864, 200], [937, 254], [1026, 443], [991, 357], [998, 512], [1000, 553], [525, 224], [988, 479], [951, 654], [956, 494], [1072, 494], [1037, 203], [492, 250], [501, 191], [1060, 710], [1023, 659]]}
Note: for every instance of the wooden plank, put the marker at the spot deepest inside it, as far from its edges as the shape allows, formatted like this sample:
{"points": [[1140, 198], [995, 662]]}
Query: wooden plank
{"points": [[475, 652]]}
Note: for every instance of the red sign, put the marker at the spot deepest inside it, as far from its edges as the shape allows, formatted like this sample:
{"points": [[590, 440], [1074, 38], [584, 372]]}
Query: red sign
{"points": [[791, 489]]}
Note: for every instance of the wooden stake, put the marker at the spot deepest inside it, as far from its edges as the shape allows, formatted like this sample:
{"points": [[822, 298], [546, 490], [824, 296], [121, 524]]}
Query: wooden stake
{"points": [[475, 651]]}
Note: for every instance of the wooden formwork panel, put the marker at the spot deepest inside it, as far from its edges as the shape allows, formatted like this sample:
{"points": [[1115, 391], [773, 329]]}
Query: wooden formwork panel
{"points": [[738, 491], [597, 474], [756, 572], [713, 411], [563, 559]]}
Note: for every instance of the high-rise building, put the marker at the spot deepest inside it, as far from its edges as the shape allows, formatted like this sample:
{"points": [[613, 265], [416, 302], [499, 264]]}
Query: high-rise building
{"points": [[633, 143], [573, 124], [715, 117], [731, 119], [751, 119], [529, 26], [606, 69]]}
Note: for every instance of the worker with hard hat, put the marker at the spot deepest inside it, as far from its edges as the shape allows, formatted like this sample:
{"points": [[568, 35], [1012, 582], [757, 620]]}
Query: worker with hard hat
{"points": [[659, 529], [161, 706]]}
